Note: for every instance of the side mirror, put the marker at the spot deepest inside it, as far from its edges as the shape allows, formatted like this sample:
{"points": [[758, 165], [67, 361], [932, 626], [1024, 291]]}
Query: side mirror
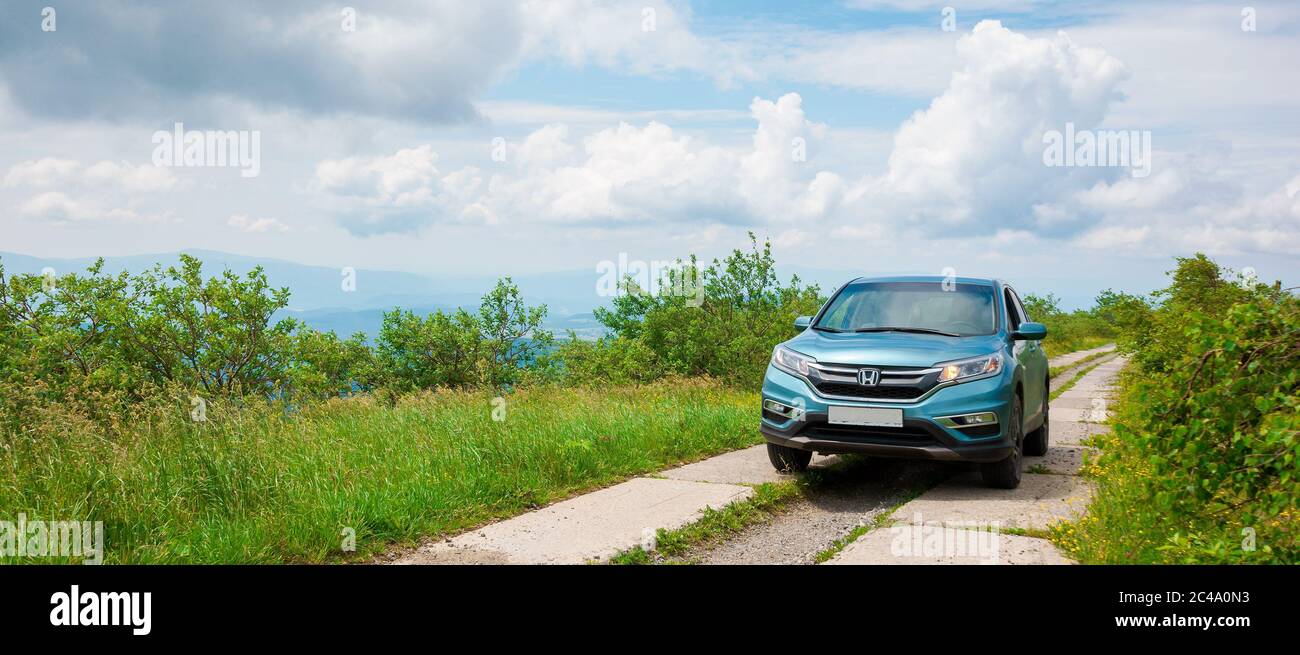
{"points": [[1030, 332], [802, 322]]}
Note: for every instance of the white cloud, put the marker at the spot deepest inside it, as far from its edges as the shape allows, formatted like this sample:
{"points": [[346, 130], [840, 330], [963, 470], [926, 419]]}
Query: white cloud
{"points": [[975, 154], [57, 208], [41, 173], [968, 165], [101, 192], [256, 225], [617, 175], [124, 176], [653, 173], [398, 193], [132, 178]]}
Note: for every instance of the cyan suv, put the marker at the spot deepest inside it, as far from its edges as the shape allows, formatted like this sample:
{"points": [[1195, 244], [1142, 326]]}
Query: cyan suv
{"points": [[919, 367]]}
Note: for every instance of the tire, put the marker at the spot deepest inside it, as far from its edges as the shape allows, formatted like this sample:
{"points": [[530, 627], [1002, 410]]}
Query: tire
{"points": [[1005, 474], [1036, 442], [788, 460]]}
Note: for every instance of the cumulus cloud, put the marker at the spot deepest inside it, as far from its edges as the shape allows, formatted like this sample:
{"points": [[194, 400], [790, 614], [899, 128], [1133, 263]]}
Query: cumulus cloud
{"points": [[256, 225], [57, 208], [631, 174], [398, 193], [975, 155], [41, 173], [52, 171], [618, 175], [132, 178], [73, 193], [970, 164]]}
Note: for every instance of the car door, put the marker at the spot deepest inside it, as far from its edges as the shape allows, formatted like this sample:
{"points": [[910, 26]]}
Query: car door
{"points": [[1032, 356]]}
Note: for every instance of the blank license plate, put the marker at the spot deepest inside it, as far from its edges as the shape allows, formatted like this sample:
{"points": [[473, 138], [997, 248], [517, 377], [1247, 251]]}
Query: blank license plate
{"points": [[889, 418]]}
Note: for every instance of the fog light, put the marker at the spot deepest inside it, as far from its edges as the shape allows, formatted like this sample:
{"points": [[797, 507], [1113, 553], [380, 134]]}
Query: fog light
{"points": [[781, 409], [968, 420]]}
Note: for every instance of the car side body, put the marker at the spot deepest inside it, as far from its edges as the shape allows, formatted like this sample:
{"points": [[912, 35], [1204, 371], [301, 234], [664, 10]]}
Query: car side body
{"points": [[978, 393]]}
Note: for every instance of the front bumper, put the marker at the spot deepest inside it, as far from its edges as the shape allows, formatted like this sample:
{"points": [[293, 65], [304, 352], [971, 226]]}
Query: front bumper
{"points": [[921, 436]]}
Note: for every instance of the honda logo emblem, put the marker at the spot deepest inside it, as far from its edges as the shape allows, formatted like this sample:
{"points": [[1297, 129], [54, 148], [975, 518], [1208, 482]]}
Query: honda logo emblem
{"points": [[868, 377]]}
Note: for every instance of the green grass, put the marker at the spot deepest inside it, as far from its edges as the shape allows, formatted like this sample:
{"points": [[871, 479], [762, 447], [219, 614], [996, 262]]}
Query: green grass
{"points": [[716, 525], [253, 484]]}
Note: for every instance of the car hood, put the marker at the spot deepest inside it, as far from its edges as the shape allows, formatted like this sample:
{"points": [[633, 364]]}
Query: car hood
{"points": [[891, 348]]}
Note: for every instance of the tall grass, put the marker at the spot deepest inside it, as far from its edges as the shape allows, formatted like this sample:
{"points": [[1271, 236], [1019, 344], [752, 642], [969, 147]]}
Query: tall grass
{"points": [[254, 484]]}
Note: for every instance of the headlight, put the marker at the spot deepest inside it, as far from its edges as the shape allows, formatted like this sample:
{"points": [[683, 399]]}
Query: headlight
{"points": [[791, 361], [969, 368]]}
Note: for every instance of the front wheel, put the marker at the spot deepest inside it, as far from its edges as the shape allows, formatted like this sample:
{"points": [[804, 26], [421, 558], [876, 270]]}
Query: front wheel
{"points": [[788, 460], [1005, 474]]}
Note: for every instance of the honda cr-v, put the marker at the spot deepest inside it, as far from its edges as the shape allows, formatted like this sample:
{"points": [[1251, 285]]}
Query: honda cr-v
{"points": [[919, 367]]}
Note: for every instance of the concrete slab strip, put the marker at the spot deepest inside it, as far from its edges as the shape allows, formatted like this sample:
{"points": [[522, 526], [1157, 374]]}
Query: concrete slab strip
{"points": [[748, 466], [910, 544], [593, 526], [1039, 501]]}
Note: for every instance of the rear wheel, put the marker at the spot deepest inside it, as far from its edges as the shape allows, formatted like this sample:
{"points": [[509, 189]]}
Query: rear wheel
{"points": [[1036, 441], [788, 460], [1005, 474]]}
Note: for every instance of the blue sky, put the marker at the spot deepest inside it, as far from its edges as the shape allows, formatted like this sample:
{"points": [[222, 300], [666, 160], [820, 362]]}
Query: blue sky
{"points": [[468, 139]]}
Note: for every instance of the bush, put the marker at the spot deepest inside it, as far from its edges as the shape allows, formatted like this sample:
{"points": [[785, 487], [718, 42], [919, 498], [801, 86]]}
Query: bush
{"points": [[461, 349], [610, 360], [136, 334], [1204, 463], [728, 331], [1071, 331], [107, 343]]}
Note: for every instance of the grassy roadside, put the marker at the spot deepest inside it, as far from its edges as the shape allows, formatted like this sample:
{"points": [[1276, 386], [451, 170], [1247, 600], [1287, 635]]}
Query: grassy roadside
{"points": [[254, 484]]}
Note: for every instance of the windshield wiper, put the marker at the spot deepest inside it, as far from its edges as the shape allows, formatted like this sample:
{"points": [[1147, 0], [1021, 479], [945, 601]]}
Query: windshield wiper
{"points": [[825, 329], [907, 329]]}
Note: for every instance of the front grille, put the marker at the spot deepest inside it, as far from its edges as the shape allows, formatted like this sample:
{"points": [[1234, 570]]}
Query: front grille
{"points": [[859, 391], [894, 383]]}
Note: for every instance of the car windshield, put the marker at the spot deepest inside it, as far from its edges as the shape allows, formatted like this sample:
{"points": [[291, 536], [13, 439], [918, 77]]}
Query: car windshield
{"points": [[948, 308]]}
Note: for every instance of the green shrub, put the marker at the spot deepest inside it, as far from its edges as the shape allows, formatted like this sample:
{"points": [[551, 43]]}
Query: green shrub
{"points": [[610, 360], [728, 331], [1204, 462], [1070, 331]]}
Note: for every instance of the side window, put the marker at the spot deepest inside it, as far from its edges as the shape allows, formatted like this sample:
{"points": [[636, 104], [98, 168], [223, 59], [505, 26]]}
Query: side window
{"points": [[1013, 309], [1020, 307]]}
